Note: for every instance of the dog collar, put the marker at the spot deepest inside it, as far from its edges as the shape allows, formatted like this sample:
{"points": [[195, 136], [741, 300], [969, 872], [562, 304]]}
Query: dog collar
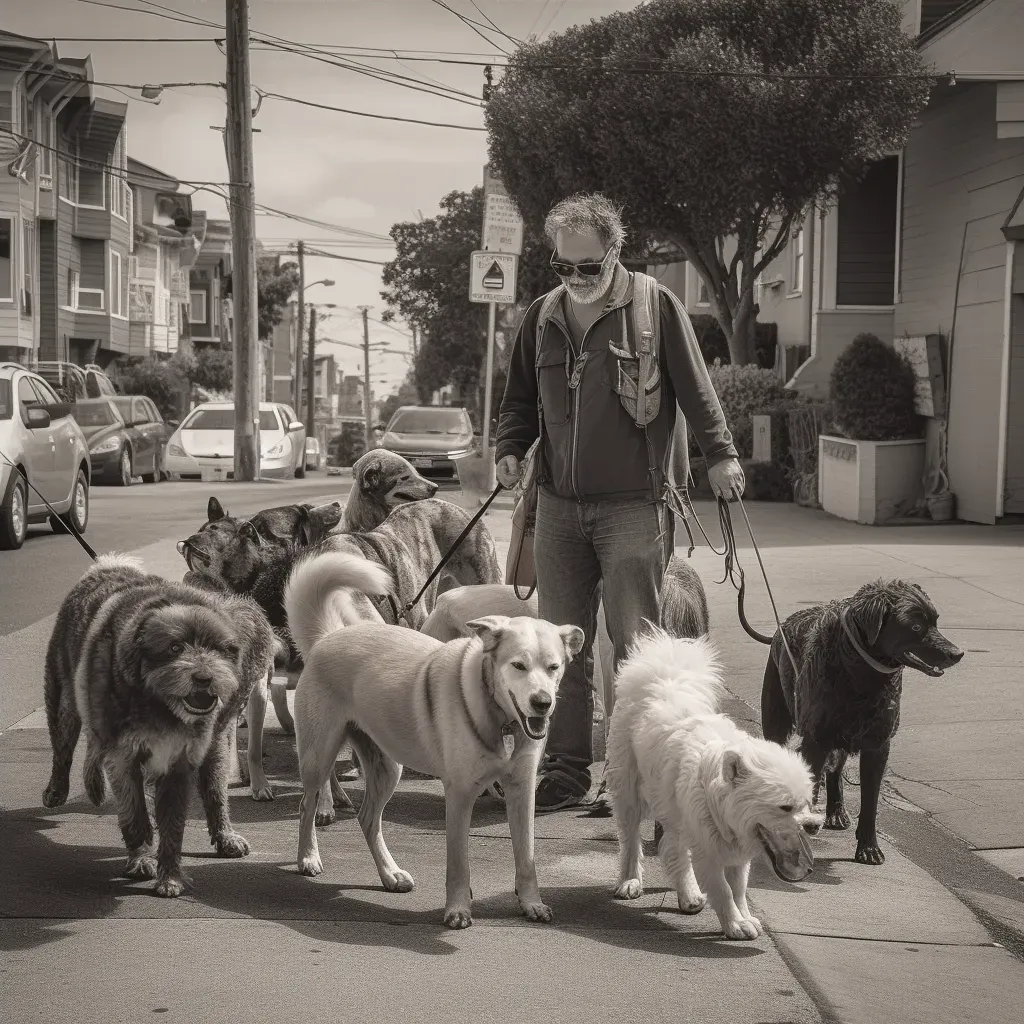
{"points": [[874, 663]]}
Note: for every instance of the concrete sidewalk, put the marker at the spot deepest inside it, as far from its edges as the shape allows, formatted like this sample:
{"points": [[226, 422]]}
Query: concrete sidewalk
{"points": [[853, 943]]}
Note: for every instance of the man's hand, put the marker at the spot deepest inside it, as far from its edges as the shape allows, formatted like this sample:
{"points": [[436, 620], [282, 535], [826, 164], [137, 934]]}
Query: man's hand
{"points": [[726, 479], [508, 471]]}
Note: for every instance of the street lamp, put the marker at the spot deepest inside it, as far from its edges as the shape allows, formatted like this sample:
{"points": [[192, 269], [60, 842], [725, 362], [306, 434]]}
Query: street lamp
{"points": [[310, 366]]}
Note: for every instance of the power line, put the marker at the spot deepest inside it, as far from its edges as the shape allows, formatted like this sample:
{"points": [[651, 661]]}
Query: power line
{"points": [[551, 20], [474, 26], [490, 21], [365, 113]]}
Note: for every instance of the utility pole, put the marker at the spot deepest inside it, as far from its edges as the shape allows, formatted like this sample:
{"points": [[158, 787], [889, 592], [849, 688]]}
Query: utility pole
{"points": [[297, 381], [238, 138], [311, 374], [415, 342], [366, 377]]}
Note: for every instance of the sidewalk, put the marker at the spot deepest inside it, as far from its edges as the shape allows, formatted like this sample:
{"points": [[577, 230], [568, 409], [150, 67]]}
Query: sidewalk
{"points": [[851, 944]]}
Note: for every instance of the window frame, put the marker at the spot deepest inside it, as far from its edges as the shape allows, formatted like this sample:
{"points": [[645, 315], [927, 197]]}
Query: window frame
{"points": [[202, 292], [11, 219], [797, 262]]}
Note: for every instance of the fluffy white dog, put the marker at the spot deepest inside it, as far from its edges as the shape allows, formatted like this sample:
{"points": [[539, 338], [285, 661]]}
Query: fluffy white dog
{"points": [[722, 796]]}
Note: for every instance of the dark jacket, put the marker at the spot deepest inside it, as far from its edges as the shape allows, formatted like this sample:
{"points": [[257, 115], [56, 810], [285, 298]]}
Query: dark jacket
{"points": [[592, 450]]}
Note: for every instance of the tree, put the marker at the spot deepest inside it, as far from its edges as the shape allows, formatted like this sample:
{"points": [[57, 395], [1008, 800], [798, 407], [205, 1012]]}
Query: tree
{"points": [[276, 283], [427, 284], [714, 123]]}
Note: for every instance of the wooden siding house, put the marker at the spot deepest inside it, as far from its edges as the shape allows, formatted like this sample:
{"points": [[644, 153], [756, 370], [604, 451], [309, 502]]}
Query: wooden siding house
{"points": [[209, 308], [64, 216]]}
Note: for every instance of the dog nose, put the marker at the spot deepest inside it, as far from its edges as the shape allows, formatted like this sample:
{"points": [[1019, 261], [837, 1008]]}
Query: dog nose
{"points": [[541, 703], [956, 655], [202, 678]]}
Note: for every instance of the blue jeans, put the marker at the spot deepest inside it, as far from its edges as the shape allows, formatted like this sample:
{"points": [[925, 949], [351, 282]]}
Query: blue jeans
{"points": [[580, 549]]}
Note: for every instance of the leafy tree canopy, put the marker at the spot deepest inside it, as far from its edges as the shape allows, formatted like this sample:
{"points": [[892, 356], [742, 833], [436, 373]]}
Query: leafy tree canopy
{"points": [[427, 284], [708, 120], [275, 285]]}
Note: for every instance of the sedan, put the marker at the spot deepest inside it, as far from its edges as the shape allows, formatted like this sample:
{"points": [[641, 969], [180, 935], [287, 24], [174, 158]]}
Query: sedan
{"points": [[113, 448], [433, 438], [206, 441]]}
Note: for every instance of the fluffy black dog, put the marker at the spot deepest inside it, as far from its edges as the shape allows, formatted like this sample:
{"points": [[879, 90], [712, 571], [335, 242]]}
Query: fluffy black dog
{"points": [[843, 694]]}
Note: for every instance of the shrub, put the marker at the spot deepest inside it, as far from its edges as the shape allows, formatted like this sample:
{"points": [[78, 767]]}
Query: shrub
{"points": [[213, 369], [805, 422], [743, 391], [165, 381], [766, 481], [872, 391], [713, 345]]}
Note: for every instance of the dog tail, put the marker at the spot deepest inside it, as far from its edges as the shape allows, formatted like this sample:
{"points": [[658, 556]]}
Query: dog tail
{"points": [[311, 601], [115, 560]]}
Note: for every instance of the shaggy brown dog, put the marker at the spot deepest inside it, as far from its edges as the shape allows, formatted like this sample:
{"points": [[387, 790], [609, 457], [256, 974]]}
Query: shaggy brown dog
{"points": [[157, 673], [843, 694]]}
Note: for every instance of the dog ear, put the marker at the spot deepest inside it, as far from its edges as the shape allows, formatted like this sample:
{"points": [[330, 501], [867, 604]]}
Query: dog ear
{"points": [[214, 511], [733, 768], [872, 619], [573, 637], [250, 533], [373, 479], [489, 628]]}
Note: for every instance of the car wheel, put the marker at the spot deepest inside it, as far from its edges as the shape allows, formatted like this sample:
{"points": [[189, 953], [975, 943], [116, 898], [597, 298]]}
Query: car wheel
{"points": [[124, 467], [300, 472], [14, 514], [156, 476], [77, 516]]}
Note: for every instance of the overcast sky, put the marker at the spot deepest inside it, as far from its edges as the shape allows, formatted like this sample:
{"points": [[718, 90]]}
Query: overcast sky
{"points": [[356, 172]]}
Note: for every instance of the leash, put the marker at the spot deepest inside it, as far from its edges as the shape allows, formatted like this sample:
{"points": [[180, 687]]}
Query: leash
{"points": [[408, 607], [69, 527]]}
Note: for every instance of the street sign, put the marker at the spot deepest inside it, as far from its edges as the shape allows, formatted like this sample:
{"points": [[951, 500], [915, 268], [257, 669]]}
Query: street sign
{"points": [[492, 277], [503, 227]]}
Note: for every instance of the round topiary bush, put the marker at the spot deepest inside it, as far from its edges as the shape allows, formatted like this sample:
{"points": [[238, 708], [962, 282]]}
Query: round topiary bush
{"points": [[872, 392]]}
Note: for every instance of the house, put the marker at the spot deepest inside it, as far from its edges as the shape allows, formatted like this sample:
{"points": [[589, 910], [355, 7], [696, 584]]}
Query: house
{"points": [[162, 257], [931, 242], [209, 313], [283, 344], [64, 209]]}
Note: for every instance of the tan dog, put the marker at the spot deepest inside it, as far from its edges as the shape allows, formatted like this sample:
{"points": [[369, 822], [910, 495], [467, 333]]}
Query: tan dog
{"points": [[470, 712]]}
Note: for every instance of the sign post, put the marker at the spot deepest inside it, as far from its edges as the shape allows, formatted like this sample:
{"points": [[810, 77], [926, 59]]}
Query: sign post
{"points": [[493, 277]]}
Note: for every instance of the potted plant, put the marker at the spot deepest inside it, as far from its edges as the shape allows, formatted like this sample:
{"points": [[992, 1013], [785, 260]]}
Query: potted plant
{"points": [[870, 470]]}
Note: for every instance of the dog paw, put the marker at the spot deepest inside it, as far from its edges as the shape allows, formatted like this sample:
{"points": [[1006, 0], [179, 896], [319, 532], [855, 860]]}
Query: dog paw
{"points": [[691, 904], [750, 919], [169, 888], [140, 867], [457, 917], [262, 792], [342, 800], [741, 929], [869, 853], [538, 911], [837, 820], [398, 881], [55, 796], [311, 866], [231, 844], [630, 889], [322, 818]]}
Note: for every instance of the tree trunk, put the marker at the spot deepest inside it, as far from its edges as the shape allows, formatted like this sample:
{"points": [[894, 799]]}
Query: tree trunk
{"points": [[741, 339]]}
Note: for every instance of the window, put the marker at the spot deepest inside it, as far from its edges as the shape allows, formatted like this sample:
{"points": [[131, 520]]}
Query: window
{"points": [[72, 296], [118, 179], [224, 419], [116, 284], [6, 109], [67, 179], [26, 397], [702, 292], [797, 246], [197, 307], [152, 411], [6, 258], [47, 395], [28, 262], [91, 182], [47, 135]]}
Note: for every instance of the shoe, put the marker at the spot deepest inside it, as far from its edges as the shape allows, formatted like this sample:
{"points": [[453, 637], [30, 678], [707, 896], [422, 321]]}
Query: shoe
{"points": [[562, 783], [599, 807]]}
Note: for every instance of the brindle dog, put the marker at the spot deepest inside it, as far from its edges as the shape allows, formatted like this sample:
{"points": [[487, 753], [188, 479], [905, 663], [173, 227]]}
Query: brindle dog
{"points": [[843, 694]]}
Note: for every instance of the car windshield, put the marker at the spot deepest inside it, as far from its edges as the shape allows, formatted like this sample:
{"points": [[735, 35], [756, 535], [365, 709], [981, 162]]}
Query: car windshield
{"points": [[224, 419], [6, 400], [95, 414], [428, 421]]}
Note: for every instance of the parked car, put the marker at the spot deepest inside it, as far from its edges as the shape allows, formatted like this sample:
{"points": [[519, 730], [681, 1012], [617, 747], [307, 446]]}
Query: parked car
{"points": [[39, 442], [72, 382], [432, 437], [312, 453], [206, 438], [126, 438]]}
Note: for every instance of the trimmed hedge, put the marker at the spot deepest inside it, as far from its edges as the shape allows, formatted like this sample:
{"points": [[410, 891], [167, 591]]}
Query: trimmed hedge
{"points": [[713, 345]]}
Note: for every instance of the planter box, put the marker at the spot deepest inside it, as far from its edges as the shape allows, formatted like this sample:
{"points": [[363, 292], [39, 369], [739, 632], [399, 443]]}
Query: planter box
{"points": [[869, 481]]}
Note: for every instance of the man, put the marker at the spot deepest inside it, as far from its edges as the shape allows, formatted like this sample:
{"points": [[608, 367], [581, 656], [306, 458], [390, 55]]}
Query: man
{"points": [[601, 523]]}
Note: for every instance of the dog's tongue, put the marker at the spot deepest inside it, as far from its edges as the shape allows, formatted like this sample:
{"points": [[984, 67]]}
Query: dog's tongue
{"points": [[536, 724]]}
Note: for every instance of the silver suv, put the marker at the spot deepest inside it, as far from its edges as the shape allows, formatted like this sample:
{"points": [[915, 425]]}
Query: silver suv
{"points": [[41, 442]]}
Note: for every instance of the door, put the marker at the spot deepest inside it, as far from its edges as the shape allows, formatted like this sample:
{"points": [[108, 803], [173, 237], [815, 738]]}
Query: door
{"points": [[144, 436], [65, 447], [39, 450]]}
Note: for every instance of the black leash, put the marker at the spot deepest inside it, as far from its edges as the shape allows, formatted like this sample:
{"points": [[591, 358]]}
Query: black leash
{"points": [[68, 526], [401, 614]]}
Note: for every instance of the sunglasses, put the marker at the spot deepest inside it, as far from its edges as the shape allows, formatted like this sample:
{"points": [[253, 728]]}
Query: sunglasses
{"points": [[588, 269]]}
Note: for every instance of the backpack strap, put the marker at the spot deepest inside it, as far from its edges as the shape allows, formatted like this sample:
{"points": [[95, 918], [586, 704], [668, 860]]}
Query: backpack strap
{"points": [[547, 308], [645, 341]]}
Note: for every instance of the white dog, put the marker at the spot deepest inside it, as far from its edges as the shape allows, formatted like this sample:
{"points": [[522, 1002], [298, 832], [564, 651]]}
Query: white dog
{"points": [[469, 712], [722, 796]]}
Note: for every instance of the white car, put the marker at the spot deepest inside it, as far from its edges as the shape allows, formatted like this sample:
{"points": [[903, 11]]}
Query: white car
{"points": [[206, 439]]}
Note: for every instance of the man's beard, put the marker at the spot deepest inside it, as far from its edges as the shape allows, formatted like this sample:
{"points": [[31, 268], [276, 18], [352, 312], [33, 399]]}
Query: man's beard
{"points": [[584, 290]]}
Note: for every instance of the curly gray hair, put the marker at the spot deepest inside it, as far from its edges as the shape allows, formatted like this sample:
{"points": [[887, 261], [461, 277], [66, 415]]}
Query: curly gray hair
{"points": [[586, 211]]}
